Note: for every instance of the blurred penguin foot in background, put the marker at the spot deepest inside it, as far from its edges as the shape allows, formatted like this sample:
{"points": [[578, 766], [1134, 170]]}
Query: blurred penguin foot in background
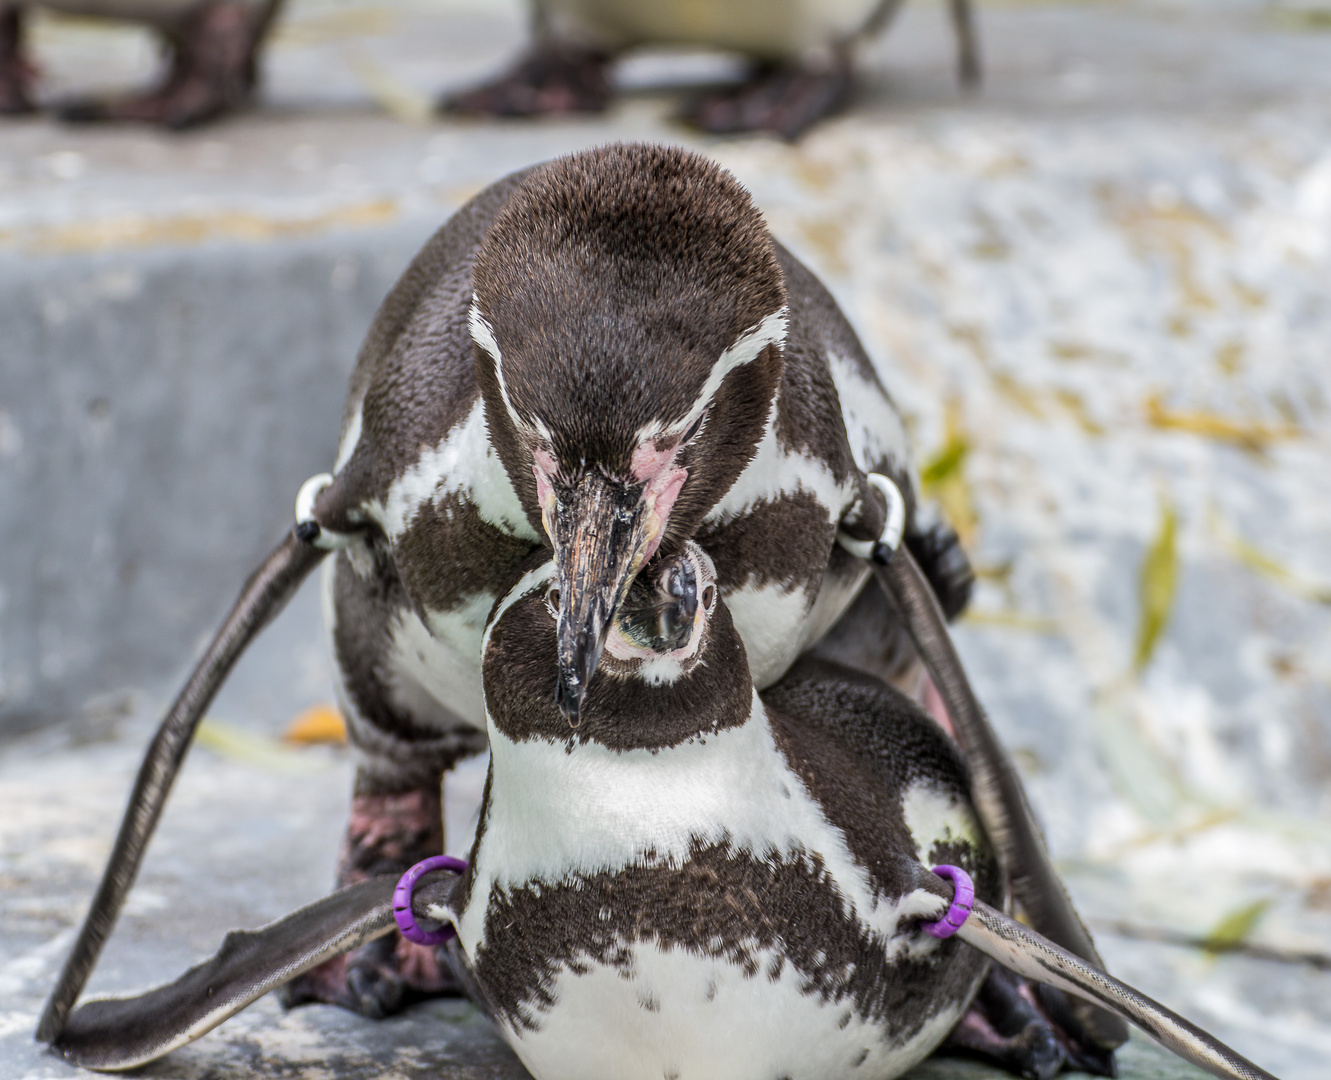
{"points": [[212, 70], [784, 100], [556, 77], [15, 72]]}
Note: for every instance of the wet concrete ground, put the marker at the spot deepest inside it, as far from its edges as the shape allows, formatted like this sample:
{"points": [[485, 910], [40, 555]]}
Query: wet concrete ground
{"points": [[1099, 291]]}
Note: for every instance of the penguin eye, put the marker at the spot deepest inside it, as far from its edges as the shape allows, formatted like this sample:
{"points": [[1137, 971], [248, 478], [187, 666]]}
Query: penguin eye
{"points": [[709, 598], [695, 427], [552, 603]]}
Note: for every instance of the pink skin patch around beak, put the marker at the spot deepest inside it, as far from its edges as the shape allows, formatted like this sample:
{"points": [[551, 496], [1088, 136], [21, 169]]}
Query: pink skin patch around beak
{"points": [[656, 468], [653, 467], [543, 467]]}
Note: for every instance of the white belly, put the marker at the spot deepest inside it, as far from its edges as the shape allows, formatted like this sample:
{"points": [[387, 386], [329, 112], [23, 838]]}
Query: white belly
{"points": [[652, 1007], [435, 669], [777, 624], [767, 28], [673, 1014]]}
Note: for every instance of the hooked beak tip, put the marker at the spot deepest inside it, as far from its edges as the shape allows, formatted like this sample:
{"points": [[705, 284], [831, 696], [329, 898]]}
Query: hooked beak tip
{"points": [[569, 700]]}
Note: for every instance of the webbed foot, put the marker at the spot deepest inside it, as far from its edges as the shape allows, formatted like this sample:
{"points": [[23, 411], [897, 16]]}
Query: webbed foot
{"points": [[1027, 1029], [785, 101], [379, 979], [212, 72], [554, 78], [387, 834]]}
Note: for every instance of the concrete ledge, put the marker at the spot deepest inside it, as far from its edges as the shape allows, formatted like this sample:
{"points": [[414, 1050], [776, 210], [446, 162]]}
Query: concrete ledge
{"points": [[160, 408]]}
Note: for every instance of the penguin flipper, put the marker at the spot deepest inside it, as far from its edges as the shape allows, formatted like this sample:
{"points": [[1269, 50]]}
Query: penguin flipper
{"points": [[263, 596], [997, 791], [112, 1034], [1025, 952]]}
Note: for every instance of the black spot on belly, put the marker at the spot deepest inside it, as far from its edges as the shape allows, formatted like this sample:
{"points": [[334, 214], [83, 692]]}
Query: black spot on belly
{"points": [[860, 1058], [720, 903]]}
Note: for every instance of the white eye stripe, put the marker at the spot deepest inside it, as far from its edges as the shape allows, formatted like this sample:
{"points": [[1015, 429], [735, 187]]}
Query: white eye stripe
{"points": [[483, 334], [744, 350]]}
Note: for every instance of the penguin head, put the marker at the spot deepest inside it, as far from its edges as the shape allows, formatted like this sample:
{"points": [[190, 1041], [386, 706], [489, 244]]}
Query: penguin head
{"points": [[663, 627], [673, 666], [628, 315]]}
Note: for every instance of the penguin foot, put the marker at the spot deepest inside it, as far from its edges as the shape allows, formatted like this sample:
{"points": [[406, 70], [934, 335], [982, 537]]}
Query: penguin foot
{"points": [[212, 72], [785, 101], [377, 980], [15, 71], [554, 78], [1012, 1025], [941, 557], [387, 834]]}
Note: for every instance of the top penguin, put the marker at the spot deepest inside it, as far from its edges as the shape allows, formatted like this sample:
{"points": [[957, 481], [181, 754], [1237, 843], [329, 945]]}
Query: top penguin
{"points": [[608, 355]]}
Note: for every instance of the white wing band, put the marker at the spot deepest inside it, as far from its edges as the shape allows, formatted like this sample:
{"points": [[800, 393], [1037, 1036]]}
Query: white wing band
{"points": [[892, 529], [323, 538]]}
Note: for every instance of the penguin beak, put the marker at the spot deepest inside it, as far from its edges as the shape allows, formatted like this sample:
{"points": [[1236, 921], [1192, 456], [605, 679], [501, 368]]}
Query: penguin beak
{"points": [[601, 538]]}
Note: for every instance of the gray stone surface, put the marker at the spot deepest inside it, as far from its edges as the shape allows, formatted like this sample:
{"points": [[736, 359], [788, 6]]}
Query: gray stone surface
{"points": [[1106, 274]]}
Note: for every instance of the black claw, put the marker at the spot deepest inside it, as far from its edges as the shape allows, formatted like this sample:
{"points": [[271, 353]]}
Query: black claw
{"points": [[1037, 1054], [1095, 1061], [375, 992]]}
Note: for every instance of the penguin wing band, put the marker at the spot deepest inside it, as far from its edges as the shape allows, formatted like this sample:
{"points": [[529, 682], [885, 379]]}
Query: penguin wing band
{"points": [[114, 1034]]}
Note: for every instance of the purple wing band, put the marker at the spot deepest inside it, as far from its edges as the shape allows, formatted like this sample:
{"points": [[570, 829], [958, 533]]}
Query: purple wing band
{"points": [[963, 899], [406, 921]]}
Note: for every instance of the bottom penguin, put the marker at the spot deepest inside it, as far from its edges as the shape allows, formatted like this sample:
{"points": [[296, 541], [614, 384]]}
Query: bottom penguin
{"points": [[695, 882], [701, 882]]}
